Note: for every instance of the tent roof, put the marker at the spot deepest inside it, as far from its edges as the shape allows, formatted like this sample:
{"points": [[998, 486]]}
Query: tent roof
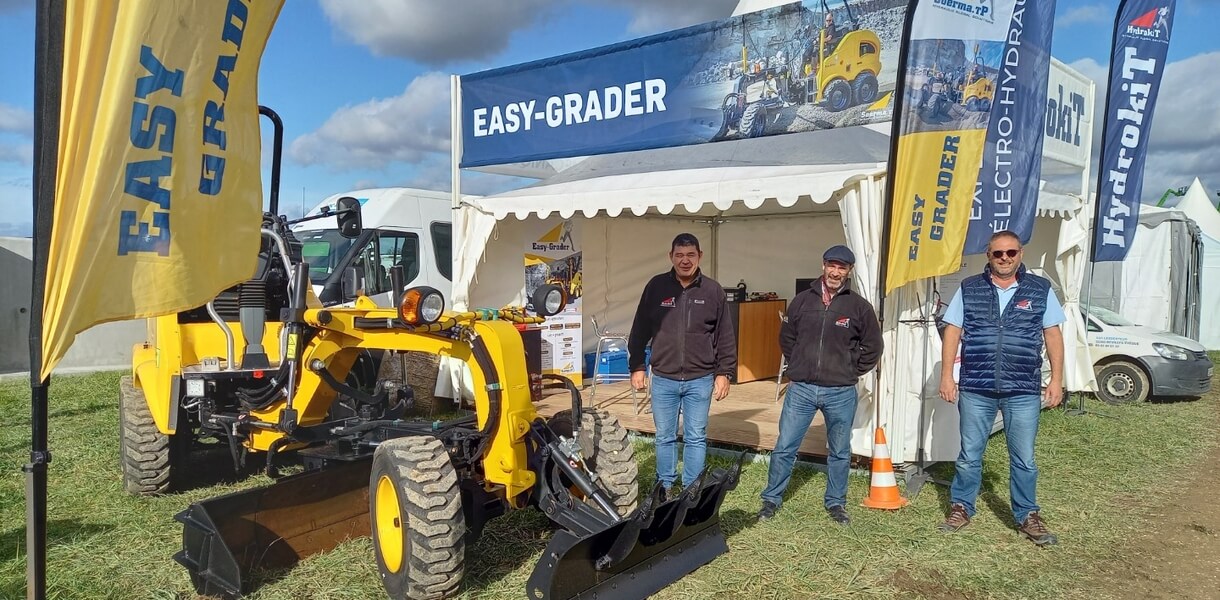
{"points": [[799, 171], [1198, 206]]}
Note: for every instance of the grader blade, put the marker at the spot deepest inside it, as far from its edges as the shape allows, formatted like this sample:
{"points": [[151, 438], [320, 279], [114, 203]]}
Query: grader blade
{"points": [[655, 546], [225, 539]]}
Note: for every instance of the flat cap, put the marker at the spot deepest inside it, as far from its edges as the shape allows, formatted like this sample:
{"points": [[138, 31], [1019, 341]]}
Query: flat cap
{"points": [[841, 254]]}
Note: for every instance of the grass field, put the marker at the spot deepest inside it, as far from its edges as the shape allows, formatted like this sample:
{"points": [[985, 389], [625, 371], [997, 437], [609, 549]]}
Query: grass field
{"points": [[1098, 477]]}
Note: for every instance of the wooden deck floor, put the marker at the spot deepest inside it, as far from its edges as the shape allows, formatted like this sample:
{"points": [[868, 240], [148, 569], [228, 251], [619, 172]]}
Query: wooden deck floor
{"points": [[749, 417]]}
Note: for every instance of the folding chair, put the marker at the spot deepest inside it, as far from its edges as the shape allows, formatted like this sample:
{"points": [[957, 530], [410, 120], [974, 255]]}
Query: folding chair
{"points": [[605, 340]]}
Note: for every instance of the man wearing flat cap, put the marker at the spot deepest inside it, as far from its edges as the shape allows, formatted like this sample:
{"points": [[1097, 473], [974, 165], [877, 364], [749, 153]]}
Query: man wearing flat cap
{"points": [[830, 338]]}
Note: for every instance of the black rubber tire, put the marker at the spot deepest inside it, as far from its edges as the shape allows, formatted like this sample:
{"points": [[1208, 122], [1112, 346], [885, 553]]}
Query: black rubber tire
{"points": [[984, 105], [429, 504], [1122, 382], [864, 88], [753, 121], [608, 453], [147, 457], [972, 104], [838, 95], [728, 107]]}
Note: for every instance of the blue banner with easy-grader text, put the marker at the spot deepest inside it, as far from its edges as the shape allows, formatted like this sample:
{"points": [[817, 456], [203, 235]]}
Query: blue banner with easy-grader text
{"points": [[792, 68]]}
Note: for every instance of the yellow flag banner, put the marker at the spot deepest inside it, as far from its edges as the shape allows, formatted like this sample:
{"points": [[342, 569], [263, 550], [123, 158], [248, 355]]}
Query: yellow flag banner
{"points": [[158, 195], [957, 54], [933, 189]]}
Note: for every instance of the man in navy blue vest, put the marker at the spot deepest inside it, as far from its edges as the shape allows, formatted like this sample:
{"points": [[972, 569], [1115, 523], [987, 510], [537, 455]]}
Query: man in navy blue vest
{"points": [[1001, 317]]}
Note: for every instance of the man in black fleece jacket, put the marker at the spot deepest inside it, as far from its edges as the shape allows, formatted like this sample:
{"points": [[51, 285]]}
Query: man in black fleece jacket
{"points": [[830, 338], [694, 352]]}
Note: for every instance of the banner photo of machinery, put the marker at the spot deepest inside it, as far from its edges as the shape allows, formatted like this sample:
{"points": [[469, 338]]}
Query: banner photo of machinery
{"points": [[797, 67], [553, 257], [1015, 97], [955, 68]]}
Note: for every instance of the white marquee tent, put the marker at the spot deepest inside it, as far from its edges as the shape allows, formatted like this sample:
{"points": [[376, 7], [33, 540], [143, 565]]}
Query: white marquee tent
{"points": [[764, 209]]}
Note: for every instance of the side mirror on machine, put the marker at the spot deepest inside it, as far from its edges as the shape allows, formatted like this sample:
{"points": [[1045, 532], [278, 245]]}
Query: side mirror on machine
{"points": [[548, 300], [351, 282], [348, 211]]}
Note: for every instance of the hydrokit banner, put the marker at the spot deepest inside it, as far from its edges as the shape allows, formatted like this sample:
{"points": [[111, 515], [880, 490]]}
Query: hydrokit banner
{"points": [[1141, 42]]}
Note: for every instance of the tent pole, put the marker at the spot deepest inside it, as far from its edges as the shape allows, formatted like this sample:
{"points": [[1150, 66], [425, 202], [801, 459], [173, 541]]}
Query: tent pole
{"points": [[48, 74], [883, 249]]}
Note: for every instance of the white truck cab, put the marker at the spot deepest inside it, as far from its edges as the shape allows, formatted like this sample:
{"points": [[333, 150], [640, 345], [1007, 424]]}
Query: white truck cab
{"points": [[1134, 362], [401, 226]]}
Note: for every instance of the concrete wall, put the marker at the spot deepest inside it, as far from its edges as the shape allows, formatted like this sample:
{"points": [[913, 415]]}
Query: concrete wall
{"points": [[106, 346]]}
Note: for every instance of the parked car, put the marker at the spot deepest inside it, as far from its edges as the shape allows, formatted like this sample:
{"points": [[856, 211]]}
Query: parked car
{"points": [[1134, 362]]}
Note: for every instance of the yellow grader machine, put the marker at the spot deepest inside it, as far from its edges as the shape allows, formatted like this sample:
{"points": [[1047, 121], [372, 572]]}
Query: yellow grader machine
{"points": [[264, 370]]}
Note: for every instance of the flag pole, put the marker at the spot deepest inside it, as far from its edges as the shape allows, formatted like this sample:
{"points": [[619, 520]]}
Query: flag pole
{"points": [[48, 74]]}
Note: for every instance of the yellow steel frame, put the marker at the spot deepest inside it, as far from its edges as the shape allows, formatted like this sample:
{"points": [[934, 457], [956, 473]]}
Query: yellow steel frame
{"points": [[337, 343]]}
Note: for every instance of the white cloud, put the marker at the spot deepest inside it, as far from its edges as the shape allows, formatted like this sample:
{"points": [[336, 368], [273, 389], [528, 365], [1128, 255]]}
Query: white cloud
{"points": [[432, 32], [437, 33], [1181, 144], [1089, 13], [17, 153], [16, 120], [654, 16], [372, 135]]}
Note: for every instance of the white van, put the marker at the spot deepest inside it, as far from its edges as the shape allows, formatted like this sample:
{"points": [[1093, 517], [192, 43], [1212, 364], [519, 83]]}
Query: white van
{"points": [[1134, 362], [404, 226]]}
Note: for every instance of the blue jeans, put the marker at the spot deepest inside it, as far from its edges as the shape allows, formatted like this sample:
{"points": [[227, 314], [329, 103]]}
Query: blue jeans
{"points": [[838, 405], [977, 412], [691, 399]]}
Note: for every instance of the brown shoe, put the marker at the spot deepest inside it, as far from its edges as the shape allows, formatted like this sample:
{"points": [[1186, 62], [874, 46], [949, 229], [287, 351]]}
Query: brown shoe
{"points": [[1034, 528], [957, 519]]}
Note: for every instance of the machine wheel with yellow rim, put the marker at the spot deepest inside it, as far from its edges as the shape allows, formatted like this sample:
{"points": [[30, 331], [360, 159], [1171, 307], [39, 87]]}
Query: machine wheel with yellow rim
{"points": [[417, 521], [608, 452]]}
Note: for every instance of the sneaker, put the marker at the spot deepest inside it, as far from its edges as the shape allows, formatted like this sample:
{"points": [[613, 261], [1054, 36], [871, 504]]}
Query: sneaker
{"points": [[1034, 528], [957, 519], [768, 511], [672, 492], [839, 514]]}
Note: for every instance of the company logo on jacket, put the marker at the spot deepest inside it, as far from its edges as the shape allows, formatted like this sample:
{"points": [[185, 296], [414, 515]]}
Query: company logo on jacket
{"points": [[844, 322], [1023, 305], [668, 302]]}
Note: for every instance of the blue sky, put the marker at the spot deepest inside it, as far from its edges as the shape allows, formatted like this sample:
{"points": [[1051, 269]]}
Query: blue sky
{"points": [[363, 87]]}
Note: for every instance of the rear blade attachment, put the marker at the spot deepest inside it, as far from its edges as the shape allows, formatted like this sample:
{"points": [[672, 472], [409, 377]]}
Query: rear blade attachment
{"points": [[225, 539], [658, 544]]}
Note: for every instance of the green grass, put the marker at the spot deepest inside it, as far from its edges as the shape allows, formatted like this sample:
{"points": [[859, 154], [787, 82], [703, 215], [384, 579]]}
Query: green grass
{"points": [[1098, 476]]}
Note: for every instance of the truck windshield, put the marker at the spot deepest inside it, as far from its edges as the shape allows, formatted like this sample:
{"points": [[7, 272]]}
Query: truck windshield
{"points": [[323, 249], [1109, 317]]}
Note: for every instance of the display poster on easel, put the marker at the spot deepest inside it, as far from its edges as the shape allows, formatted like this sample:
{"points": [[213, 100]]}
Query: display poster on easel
{"points": [[552, 256]]}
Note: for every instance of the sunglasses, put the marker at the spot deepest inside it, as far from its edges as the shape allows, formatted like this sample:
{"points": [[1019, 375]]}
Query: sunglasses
{"points": [[1010, 253]]}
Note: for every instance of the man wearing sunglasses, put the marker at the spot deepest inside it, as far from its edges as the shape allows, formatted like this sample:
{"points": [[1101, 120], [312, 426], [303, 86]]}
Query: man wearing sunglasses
{"points": [[1002, 318]]}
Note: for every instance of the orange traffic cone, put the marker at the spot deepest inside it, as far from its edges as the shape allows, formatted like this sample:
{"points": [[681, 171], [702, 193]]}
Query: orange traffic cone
{"points": [[884, 490]]}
